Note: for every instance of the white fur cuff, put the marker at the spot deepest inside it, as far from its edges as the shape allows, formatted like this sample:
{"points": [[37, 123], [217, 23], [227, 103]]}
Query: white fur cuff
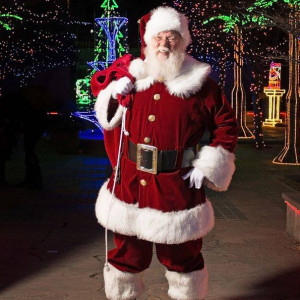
{"points": [[217, 165], [102, 107], [153, 225], [188, 286], [122, 285]]}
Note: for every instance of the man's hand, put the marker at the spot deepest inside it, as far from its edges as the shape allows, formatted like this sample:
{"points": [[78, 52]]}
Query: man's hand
{"points": [[196, 177], [122, 87]]}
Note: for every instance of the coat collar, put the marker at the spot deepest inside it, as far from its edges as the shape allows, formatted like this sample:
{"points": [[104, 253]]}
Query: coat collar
{"points": [[189, 81]]}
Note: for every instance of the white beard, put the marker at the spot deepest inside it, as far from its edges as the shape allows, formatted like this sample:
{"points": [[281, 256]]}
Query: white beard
{"points": [[167, 69]]}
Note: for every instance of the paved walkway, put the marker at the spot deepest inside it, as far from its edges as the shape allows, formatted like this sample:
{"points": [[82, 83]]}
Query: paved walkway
{"points": [[53, 248]]}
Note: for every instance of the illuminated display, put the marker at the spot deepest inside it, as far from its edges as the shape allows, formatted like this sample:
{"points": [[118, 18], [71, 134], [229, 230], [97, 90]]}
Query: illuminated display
{"points": [[30, 42], [275, 76], [5, 24], [88, 116], [238, 95], [262, 16], [290, 153], [111, 27], [274, 96], [111, 44]]}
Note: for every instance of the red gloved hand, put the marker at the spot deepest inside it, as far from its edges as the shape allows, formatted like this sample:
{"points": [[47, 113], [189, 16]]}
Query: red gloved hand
{"points": [[125, 100]]}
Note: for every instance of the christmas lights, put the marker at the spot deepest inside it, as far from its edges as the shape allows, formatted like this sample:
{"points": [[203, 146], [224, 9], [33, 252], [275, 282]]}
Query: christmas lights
{"points": [[258, 121], [111, 27], [294, 208], [208, 42], [260, 41], [274, 94], [111, 44], [6, 25], [275, 76], [82, 86], [290, 153], [88, 116], [238, 97], [36, 39]]}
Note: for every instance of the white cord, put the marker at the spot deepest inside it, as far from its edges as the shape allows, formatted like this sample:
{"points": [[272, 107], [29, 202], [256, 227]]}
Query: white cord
{"points": [[123, 130]]}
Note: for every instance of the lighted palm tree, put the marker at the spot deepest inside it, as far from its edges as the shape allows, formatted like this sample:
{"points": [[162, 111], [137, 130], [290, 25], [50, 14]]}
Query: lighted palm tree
{"points": [[259, 14], [6, 25], [235, 22], [290, 154]]}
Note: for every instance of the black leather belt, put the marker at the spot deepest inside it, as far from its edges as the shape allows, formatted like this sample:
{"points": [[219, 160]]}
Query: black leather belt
{"points": [[151, 160]]}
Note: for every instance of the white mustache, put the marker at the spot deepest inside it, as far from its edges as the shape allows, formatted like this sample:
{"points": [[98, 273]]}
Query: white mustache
{"points": [[163, 49]]}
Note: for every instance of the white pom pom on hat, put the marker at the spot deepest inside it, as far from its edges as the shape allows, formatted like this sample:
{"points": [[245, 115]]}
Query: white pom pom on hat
{"points": [[166, 18]]}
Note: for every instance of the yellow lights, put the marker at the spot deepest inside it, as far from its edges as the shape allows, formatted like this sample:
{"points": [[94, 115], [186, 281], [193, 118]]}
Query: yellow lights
{"points": [[238, 98], [289, 155], [274, 96]]}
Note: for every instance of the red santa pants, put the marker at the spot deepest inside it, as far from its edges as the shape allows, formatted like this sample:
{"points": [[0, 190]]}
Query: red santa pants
{"points": [[186, 273], [134, 255]]}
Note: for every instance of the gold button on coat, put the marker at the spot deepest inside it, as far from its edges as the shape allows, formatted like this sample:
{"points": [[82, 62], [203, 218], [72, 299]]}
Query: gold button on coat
{"points": [[151, 118], [156, 97], [143, 182], [147, 140]]}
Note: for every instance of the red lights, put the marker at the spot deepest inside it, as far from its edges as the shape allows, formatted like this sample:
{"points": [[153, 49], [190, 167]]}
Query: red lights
{"points": [[297, 211]]}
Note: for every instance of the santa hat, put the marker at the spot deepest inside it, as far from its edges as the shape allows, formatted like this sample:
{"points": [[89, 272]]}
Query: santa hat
{"points": [[164, 18]]}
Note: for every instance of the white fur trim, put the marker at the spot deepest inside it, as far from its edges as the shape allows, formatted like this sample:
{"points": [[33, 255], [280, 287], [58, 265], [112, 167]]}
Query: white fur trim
{"points": [[165, 19], [189, 81], [102, 105], [122, 285], [191, 78], [188, 286], [153, 225], [143, 84], [137, 68], [217, 165]]}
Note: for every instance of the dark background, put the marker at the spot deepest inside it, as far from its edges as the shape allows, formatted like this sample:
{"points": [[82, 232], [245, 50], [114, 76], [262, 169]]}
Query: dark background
{"points": [[88, 10]]}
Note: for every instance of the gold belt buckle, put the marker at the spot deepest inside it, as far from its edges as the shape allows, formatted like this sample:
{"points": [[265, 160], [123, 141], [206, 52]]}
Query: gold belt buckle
{"points": [[139, 157]]}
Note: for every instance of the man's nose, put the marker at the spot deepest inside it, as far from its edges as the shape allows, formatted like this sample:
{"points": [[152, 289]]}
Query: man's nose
{"points": [[164, 42]]}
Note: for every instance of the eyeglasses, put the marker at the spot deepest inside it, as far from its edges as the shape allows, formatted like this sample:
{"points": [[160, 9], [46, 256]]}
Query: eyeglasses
{"points": [[172, 39]]}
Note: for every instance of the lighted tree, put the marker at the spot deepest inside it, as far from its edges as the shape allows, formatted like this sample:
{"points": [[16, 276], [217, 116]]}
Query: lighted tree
{"points": [[110, 8], [256, 88], [208, 42], [212, 42], [285, 15], [236, 22], [111, 43], [34, 38], [253, 42], [6, 24]]}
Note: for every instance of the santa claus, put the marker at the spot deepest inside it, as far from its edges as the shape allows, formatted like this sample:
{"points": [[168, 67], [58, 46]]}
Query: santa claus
{"points": [[154, 111]]}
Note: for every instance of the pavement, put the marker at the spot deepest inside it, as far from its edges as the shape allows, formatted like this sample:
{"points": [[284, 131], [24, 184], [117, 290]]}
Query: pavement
{"points": [[53, 248]]}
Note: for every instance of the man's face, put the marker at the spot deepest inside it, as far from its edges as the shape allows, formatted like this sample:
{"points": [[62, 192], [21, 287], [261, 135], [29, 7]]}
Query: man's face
{"points": [[164, 43]]}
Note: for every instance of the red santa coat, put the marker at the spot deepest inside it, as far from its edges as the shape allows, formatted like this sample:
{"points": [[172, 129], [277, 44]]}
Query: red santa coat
{"points": [[165, 210]]}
